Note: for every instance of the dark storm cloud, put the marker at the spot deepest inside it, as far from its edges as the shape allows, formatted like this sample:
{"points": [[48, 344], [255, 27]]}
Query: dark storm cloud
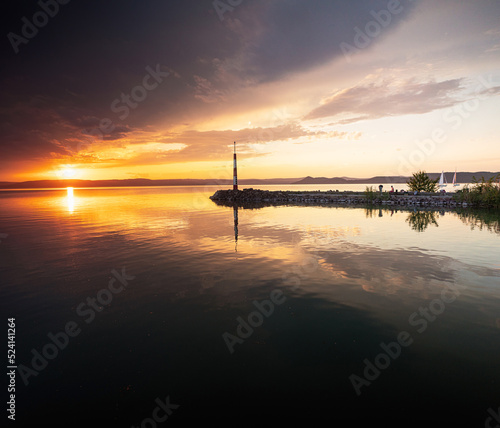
{"points": [[282, 37], [61, 84]]}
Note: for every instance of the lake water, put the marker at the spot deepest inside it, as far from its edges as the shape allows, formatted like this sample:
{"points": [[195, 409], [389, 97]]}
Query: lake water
{"points": [[124, 297], [344, 187]]}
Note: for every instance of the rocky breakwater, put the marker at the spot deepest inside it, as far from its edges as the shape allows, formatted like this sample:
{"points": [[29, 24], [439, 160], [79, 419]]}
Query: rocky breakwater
{"points": [[333, 198]]}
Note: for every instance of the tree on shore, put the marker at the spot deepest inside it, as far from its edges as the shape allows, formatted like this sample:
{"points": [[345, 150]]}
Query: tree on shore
{"points": [[421, 182], [483, 192]]}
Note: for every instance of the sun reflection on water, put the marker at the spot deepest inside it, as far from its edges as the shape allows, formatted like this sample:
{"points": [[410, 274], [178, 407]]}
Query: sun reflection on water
{"points": [[70, 198]]}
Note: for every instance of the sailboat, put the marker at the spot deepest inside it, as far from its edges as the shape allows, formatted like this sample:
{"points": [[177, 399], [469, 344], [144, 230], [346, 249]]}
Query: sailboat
{"points": [[442, 180], [455, 179]]}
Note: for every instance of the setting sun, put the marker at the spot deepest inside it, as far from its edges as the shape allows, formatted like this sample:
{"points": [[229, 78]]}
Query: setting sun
{"points": [[67, 172]]}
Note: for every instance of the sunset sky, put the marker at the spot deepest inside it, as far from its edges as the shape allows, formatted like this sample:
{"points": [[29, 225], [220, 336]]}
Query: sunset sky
{"points": [[161, 89]]}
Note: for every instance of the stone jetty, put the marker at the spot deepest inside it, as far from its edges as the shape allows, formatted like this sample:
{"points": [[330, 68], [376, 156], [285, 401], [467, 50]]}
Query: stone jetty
{"points": [[253, 196]]}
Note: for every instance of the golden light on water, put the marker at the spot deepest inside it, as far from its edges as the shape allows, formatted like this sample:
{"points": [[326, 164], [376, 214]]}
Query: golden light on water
{"points": [[70, 199]]}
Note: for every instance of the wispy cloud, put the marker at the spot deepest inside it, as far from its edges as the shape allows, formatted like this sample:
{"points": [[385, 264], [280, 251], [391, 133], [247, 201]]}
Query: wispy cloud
{"points": [[383, 98], [200, 146], [196, 146]]}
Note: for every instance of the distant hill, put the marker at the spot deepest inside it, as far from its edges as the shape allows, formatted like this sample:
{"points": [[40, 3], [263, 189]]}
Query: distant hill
{"points": [[134, 182], [462, 177]]}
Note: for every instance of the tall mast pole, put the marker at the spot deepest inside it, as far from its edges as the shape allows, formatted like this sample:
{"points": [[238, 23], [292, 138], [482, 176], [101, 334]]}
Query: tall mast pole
{"points": [[235, 172]]}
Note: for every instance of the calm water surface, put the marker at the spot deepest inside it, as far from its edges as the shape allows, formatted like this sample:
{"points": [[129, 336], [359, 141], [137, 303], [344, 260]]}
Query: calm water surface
{"points": [[159, 288]]}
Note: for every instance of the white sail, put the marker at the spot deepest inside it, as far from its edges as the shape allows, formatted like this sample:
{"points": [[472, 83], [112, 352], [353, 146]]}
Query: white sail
{"points": [[455, 179], [442, 180]]}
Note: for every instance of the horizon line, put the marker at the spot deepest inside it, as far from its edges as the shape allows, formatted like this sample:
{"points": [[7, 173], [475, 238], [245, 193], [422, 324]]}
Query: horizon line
{"points": [[229, 179]]}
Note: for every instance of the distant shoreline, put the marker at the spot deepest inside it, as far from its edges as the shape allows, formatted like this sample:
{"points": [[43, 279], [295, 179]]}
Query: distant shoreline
{"points": [[462, 178], [300, 188]]}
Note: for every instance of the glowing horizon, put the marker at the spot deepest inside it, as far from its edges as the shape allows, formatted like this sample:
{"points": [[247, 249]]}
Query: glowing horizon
{"points": [[398, 87]]}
